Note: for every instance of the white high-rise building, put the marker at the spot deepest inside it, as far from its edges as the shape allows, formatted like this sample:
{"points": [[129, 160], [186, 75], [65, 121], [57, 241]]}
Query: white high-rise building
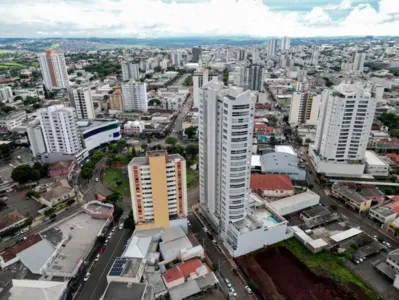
{"points": [[176, 58], [5, 94], [304, 109], [130, 71], [314, 60], [83, 103], [358, 63], [225, 139], [54, 70], [199, 78], [345, 119], [255, 55], [285, 43], [271, 47], [134, 96], [60, 131], [241, 54]]}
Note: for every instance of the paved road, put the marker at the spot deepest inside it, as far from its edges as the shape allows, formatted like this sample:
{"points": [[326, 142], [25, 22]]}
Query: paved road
{"points": [[183, 113], [94, 288], [193, 197], [218, 257]]}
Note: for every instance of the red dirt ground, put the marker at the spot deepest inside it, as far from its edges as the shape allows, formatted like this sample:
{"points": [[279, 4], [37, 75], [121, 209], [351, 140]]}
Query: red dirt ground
{"points": [[280, 275]]}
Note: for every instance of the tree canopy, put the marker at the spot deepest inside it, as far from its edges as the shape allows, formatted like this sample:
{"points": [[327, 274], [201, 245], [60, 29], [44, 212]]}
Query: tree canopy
{"points": [[390, 120], [190, 131], [25, 173], [171, 140]]}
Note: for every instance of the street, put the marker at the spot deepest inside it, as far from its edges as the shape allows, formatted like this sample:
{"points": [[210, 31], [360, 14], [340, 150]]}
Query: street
{"points": [[95, 286], [218, 257]]}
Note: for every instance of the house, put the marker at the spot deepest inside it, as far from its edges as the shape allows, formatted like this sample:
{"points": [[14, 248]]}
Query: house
{"points": [[262, 129], [10, 219], [9, 256], [57, 192], [393, 156], [351, 197], [271, 186], [383, 214], [61, 168], [187, 271]]}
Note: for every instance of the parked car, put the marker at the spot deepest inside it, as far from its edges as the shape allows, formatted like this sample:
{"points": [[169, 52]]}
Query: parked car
{"points": [[23, 230], [97, 257], [121, 226], [96, 179], [87, 276], [227, 283], [235, 271], [248, 289], [101, 251], [233, 292]]}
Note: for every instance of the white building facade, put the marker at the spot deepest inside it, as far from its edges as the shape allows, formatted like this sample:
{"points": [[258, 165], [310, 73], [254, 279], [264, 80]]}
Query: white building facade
{"points": [[285, 43], [59, 129], [271, 47], [345, 119], [83, 103], [130, 71], [200, 78], [358, 63], [134, 96], [225, 141], [54, 70], [5, 94]]}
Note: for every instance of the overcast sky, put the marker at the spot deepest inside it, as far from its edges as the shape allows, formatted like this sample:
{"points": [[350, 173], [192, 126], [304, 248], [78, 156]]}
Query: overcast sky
{"points": [[163, 18]]}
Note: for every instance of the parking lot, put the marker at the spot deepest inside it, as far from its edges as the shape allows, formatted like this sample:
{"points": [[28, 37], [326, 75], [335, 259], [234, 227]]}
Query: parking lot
{"points": [[6, 169], [18, 201]]}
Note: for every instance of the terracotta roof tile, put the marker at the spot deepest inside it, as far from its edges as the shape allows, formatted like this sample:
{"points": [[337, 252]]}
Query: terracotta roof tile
{"points": [[12, 252], [271, 182]]}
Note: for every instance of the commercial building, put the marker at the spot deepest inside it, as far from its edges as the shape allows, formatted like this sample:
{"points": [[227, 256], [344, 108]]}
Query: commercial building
{"points": [[383, 214], [134, 96], [59, 127], [197, 53], [255, 77], [304, 108], [200, 78], [158, 189], [225, 143], [271, 47], [358, 63], [83, 103], [285, 43], [99, 133], [54, 70], [351, 197], [272, 186], [5, 94], [115, 100], [283, 164], [133, 128], [130, 71], [295, 203], [262, 226], [11, 120], [343, 130], [38, 289], [390, 268], [375, 165]]}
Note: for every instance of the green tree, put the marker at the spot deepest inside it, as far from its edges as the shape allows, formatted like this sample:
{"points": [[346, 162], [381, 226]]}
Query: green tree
{"points": [[18, 98], [154, 102], [188, 81], [97, 156], [79, 74], [157, 69], [215, 267], [192, 150], [190, 131], [86, 172], [113, 148], [121, 144], [25, 173], [144, 146], [285, 119], [113, 198], [45, 91], [111, 160], [171, 140], [129, 222], [390, 120], [118, 211], [7, 109]]}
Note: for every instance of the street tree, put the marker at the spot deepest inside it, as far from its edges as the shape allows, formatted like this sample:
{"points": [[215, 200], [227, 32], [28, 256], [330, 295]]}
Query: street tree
{"points": [[171, 141], [97, 156], [192, 150], [111, 160], [190, 131], [25, 173], [113, 198]]}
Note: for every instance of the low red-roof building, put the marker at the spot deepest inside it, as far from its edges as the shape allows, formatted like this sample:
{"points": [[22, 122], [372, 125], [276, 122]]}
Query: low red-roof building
{"points": [[177, 275], [393, 156], [61, 168], [9, 256], [11, 219], [272, 186], [262, 128]]}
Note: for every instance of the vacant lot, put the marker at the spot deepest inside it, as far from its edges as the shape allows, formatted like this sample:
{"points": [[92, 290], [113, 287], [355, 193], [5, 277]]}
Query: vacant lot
{"points": [[192, 178], [279, 274], [115, 181]]}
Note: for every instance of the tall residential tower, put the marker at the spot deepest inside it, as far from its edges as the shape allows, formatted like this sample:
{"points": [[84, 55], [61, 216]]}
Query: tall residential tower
{"points": [[54, 70], [130, 71], [134, 96], [83, 102], [225, 141]]}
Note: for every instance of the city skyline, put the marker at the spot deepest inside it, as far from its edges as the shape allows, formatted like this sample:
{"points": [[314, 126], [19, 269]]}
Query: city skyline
{"points": [[170, 18]]}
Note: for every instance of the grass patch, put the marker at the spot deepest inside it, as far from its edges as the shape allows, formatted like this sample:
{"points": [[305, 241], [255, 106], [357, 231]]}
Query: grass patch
{"points": [[3, 51], [110, 179], [192, 177], [326, 263], [11, 65]]}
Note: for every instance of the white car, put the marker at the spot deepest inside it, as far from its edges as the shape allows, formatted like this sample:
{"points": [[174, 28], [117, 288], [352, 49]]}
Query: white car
{"points": [[24, 230], [97, 257], [248, 289], [87, 276], [227, 283], [96, 179], [233, 292], [121, 226]]}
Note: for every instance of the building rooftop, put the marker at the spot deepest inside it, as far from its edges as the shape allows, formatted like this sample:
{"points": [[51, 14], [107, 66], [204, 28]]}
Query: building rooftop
{"points": [[270, 182], [61, 165], [37, 289], [349, 193], [384, 210], [36, 256], [142, 160], [125, 291], [11, 218], [97, 207], [174, 246], [172, 233], [12, 252], [154, 279], [185, 290], [285, 149], [294, 203], [125, 267], [138, 247], [57, 189], [316, 211], [373, 159], [79, 234], [86, 125], [339, 237]]}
